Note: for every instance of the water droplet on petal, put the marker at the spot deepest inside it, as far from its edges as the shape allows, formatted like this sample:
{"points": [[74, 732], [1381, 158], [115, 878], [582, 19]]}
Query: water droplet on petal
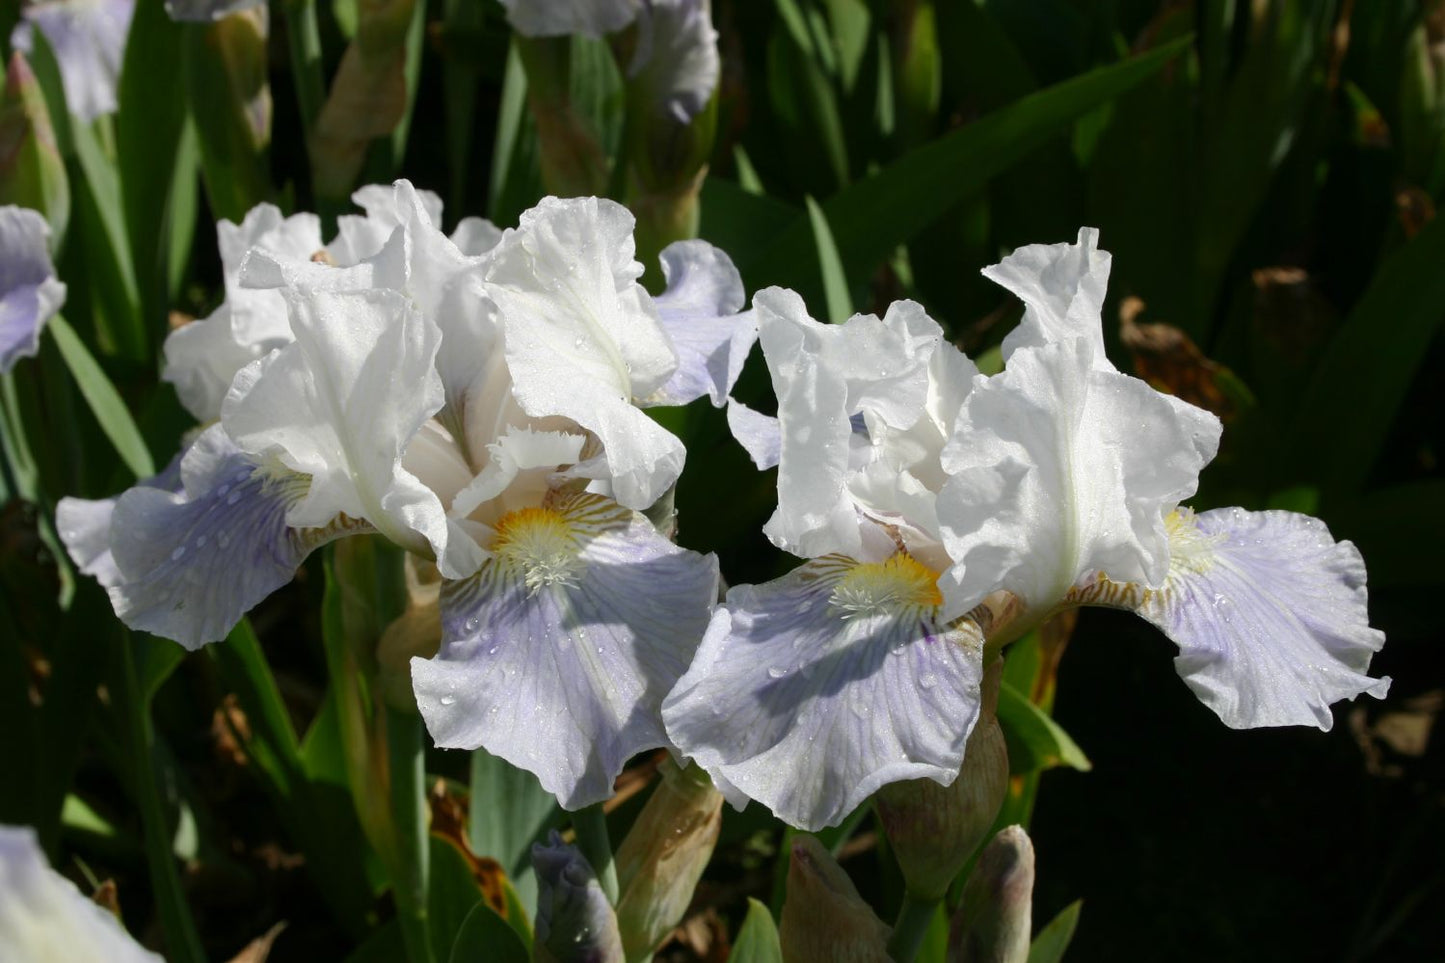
{"points": [[471, 625], [179, 551], [928, 680], [447, 700], [233, 498], [777, 672]]}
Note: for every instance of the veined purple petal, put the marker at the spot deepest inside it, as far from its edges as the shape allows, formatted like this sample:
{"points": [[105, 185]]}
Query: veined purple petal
{"points": [[188, 563], [701, 311], [85, 524], [29, 293], [810, 692], [1270, 616], [556, 655]]}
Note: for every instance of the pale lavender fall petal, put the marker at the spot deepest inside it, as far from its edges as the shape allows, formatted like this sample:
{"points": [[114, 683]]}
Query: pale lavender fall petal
{"points": [[760, 435], [1271, 617], [29, 293], [808, 706], [701, 311], [188, 564], [556, 655]]}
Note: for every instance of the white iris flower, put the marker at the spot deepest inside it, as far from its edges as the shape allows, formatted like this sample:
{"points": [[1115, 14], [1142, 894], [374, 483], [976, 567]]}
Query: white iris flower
{"points": [[477, 409], [940, 506]]}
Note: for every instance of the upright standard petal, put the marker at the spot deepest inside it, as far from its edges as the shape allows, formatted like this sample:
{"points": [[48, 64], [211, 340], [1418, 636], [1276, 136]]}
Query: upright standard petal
{"points": [[202, 357], [44, 917], [823, 376], [188, 563], [810, 692], [29, 293], [559, 18], [582, 338], [1269, 612], [88, 37], [1062, 287], [556, 655], [1058, 468], [340, 404], [702, 313]]}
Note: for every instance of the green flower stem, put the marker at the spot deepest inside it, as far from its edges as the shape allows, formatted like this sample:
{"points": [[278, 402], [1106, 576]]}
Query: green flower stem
{"points": [[914, 918], [406, 753], [183, 943], [304, 37], [591, 826]]}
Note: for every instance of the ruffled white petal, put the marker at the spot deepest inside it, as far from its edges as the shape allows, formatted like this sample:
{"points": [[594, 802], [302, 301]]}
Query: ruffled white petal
{"points": [[43, 917], [522, 464], [559, 18], [760, 435], [340, 404], [701, 311], [88, 38], [30, 295], [188, 563], [475, 236], [823, 375], [582, 339], [556, 655], [1270, 615], [807, 698], [676, 58], [359, 237], [1062, 287], [1058, 468], [202, 357]]}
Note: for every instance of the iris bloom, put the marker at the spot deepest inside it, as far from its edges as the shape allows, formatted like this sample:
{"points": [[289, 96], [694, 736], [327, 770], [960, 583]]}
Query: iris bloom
{"points": [[480, 411], [43, 917], [88, 38], [941, 507], [29, 293]]}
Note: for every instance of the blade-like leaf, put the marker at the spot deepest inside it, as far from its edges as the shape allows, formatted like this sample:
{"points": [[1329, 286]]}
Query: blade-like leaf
{"points": [[104, 401], [1053, 940], [484, 937], [1346, 413], [1035, 741], [873, 216], [757, 941], [835, 283], [509, 811]]}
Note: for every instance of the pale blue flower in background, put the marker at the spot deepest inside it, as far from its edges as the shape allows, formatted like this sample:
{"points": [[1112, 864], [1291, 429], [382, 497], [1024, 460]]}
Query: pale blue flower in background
{"points": [[45, 919], [88, 38], [30, 295], [676, 58], [560, 18], [204, 11]]}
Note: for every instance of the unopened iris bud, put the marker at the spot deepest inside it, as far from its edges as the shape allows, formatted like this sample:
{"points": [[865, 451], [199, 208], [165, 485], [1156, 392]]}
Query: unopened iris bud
{"points": [[824, 918], [226, 73], [994, 918], [575, 923], [417, 632], [934, 829], [32, 173], [367, 98], [662, 858]]}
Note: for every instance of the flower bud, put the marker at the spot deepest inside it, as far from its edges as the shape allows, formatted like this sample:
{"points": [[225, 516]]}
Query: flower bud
{"points": [[416, 632], [994, 918], [824, 918], [32, 173], [662, 858], [226, 76], [367, 97], [934, 829], [575, 923]]}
